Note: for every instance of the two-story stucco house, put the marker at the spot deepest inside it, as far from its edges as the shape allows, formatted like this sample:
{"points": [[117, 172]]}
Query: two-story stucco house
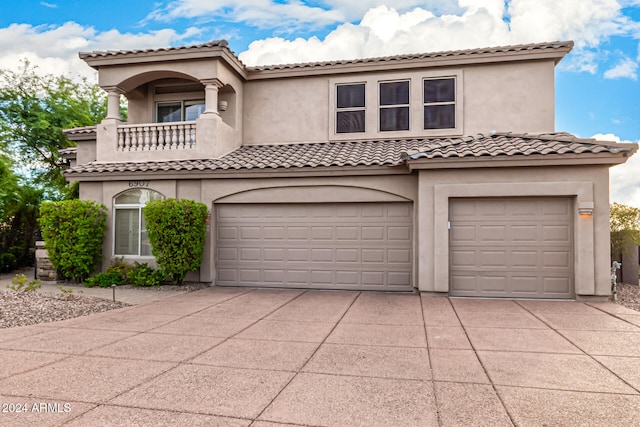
{"points": [[440, 172]]}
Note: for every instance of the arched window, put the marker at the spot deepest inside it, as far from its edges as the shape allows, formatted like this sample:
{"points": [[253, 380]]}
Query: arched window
{"points": [[130, 232]]}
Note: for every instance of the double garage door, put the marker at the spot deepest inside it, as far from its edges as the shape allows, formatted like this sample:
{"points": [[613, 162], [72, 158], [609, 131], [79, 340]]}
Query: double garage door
{"points": [[498, 247], [366, 246], [511, 247]]}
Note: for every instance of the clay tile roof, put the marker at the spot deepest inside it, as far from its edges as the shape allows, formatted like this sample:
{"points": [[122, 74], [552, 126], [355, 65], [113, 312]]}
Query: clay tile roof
{"points": [[83, 130], [95, 54], [71, 151], [370, 153], [430, 55], [509, 144]]}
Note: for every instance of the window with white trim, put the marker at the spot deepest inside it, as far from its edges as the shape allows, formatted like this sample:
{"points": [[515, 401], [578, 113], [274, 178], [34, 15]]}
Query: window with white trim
{"points": [[439, 99], [130, 231], [394, 105], [350, 108]]}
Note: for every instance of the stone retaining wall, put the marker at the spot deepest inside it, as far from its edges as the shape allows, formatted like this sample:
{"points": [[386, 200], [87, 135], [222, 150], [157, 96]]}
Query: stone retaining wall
{"points": [[44, 268]]}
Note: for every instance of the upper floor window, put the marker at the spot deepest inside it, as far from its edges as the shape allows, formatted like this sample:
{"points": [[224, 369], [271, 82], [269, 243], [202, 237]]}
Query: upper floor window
{"points": [[439, 98], [130, 231], [350, 108], [394, 105], [179, 111]]}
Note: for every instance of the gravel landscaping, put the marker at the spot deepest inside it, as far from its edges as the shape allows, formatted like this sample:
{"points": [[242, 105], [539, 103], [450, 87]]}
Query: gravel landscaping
{"points": [[629, 296], [29, 308]]}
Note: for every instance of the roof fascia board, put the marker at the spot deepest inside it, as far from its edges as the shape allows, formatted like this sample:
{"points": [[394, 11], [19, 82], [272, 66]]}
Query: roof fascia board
{"points": [[236, 174], [81, 137]]}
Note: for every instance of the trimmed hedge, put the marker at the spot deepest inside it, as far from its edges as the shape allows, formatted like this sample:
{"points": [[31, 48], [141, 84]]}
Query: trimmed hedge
{"points": [[73, 231], [177, 230]]}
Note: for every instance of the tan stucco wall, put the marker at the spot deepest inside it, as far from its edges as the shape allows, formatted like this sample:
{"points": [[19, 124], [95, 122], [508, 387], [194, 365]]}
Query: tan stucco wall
{"points": [[511, 97], [276, 190], [130, 76], [585, 184], [515, 97], [91, 191], [286, 110], [429, 190]]}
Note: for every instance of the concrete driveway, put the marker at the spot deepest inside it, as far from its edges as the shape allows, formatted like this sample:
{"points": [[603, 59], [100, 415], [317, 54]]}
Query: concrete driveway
{"points": [[240, 357]]}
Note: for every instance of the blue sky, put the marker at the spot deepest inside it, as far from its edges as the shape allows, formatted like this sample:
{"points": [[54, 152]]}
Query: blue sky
{"points": [[597, 87]]}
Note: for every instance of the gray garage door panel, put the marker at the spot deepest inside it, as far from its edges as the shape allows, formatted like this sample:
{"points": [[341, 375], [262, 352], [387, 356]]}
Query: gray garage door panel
{"points": [[511, 247], [321, 246]]}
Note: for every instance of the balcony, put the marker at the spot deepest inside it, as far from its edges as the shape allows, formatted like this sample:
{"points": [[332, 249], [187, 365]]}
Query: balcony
{"points": [[208, 137], [157, 136]]}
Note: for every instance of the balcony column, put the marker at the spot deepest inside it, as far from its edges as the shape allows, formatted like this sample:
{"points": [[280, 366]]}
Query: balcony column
{"points": [[113, 102], [211, 87]]}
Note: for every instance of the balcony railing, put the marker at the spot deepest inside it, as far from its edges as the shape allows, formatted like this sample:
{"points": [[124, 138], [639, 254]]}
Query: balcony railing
{"points": [[157, 136]]}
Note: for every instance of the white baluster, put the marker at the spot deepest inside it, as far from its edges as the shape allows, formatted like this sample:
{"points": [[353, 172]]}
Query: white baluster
{"points": [[180, 136], [154, 137], [147, 138], [127, 139], [174, 138], [120, 140], [140, 141], [161, 137]]}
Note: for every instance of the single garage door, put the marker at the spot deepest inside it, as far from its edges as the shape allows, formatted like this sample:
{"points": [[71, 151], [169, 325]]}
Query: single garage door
{"points": [[511, 247], [321, 246]]}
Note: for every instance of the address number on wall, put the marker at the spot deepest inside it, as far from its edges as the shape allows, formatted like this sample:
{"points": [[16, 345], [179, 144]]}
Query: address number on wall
{"points": [[138, 183]]}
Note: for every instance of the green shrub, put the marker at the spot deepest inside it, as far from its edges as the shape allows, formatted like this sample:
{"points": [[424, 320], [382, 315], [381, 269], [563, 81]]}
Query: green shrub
{"points": [[73, 231], [121, 267], [177, 230], [143, 275], [104, 280], [19, 284], [8, 262]]}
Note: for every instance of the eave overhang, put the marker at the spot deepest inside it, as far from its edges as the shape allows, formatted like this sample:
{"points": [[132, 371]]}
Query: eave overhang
{"points": [[350, 158], [539, 51], [213, 50]]}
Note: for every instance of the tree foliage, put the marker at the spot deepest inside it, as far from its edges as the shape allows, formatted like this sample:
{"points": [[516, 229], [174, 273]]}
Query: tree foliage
{"points": [[34, 110], [177, 230], [625, 228], [73, 231], [19, 204]]}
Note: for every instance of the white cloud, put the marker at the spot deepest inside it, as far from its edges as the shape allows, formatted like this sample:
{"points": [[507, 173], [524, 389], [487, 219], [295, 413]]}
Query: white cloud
{"points": [[626, 68], [624, 179], [476, 23], [49, 5], [384, 31], [54, 49], [259, 13]]}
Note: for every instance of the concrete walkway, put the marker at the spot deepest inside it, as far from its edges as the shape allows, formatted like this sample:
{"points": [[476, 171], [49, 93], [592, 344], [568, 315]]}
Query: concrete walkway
{"points": [[240, 357], [127, 295]]}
